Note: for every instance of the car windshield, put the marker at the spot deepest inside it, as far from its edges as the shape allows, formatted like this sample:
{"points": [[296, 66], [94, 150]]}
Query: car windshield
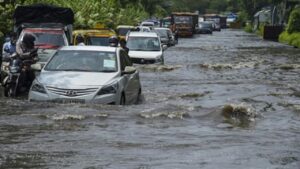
{"points": [[83, 61], [162, 33], [49, 39], [123, 31], [98, 41], [143, 44], [183, 19]]}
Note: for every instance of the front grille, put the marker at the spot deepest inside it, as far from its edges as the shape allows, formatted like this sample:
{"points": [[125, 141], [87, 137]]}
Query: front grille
{"points": [[142, 61], [71, 92]]}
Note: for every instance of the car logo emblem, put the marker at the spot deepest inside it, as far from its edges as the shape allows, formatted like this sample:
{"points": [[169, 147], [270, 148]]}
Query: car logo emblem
{"points": [[71, 93]]}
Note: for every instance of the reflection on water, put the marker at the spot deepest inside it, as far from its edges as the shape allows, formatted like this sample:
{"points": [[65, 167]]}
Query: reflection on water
{"points": [[229, 100]]}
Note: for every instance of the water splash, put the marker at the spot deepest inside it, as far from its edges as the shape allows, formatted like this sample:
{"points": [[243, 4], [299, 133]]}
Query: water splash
{"points": [[239, 114], [61, 117], [170, 115], [159, 68]]}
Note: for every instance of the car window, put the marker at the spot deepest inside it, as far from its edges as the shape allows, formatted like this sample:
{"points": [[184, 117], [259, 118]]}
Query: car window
{"points": [[77, 60], [50, 39], [98, 41], [143, 43]]}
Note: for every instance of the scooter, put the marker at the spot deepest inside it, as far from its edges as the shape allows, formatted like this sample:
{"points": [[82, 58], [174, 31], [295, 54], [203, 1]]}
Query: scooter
{"points": [[20, 76]]}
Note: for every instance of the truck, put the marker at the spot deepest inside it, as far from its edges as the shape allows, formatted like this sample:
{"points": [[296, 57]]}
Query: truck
{"points": [[185, 23], [52, 27], [216, 19]]}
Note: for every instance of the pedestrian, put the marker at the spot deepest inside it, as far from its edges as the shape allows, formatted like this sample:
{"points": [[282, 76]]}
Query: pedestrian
{"points": [[123, 45]]}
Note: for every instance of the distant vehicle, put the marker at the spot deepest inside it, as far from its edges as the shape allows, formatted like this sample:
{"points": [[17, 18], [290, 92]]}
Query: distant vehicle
{"points": [[122, 30], [205, 27], [165, 35], [51, 32], [88, 74], [145, 47], [94, 37], [185, 22], [148, 24], [145, 29], [216, 19]]}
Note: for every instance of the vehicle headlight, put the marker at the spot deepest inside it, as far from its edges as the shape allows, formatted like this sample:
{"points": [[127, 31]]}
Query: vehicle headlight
{"points": [[38, 88], [109, 89]]}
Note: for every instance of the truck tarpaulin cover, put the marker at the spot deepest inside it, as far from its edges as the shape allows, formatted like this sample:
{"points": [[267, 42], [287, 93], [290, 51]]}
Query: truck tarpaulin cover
{"points": [[43, 14]]}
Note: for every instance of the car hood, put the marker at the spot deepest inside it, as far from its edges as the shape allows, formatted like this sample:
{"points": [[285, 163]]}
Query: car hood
{"points": [[145, 54], [63, 79]]}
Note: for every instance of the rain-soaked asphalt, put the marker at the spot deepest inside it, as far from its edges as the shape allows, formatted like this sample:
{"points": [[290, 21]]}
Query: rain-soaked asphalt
{"points": [[230, 100]]}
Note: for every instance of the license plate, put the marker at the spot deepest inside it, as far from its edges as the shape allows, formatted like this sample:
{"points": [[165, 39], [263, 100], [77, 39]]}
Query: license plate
{"points": [[67, 101]]}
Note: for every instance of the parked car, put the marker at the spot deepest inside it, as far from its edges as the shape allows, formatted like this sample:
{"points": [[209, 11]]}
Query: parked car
{"points": [[165, 35], [205, 27], [145, 47], [81, 74]]}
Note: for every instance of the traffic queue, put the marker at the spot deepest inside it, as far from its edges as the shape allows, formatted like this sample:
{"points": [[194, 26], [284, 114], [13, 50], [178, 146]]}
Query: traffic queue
{"points": [[52, 62], [82, 66]]}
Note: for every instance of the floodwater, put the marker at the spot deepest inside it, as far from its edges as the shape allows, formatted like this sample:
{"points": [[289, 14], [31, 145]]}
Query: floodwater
{"points": [[230, 100]]}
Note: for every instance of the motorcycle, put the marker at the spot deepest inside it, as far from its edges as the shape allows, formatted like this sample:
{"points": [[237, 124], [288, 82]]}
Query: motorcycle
{"points": [[20, 75]]}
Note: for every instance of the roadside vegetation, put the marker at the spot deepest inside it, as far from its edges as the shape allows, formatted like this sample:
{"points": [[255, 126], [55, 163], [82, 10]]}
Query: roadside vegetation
{"points": [[291, 35]]}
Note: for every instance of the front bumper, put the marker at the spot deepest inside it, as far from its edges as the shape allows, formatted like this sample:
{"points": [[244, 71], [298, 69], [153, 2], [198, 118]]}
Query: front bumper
{"points": [[91, 98]]}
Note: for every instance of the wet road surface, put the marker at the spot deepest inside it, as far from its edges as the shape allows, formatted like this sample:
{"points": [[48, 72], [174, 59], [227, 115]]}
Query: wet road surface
{"points": [[230, 100]]}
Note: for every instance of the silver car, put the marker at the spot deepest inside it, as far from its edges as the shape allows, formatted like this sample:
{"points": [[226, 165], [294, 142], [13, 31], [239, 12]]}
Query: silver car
{"points": [[88, 74]]}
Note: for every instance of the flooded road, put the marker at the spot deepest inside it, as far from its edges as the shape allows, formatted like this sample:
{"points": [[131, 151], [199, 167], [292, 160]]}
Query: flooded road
{"points": [[230, 100]]}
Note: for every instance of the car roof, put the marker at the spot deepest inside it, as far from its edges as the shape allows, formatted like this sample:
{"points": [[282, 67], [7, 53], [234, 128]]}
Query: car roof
{"points": [[90, 48], [162, 29], [125, 26], [148, 22], [143, 34]]}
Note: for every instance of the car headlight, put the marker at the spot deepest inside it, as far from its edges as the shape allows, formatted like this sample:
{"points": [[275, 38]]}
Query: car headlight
{"points": [[109, 89], [38, 88]]}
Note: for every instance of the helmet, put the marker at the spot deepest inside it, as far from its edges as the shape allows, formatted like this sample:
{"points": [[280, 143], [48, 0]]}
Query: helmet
{"points": [[113, 41], [79, 39], [28, 38]]}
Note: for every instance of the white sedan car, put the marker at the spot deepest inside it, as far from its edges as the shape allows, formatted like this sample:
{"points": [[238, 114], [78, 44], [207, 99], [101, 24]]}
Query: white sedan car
{"points": [[84, 74], [145, 48]]}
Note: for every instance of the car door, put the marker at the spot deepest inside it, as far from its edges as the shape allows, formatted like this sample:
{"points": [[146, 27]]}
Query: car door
{"points": [[131, 81]]}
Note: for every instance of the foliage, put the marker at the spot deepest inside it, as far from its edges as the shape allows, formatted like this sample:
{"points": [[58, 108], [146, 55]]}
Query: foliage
{"points": [[294, 21], [248, 28], [291, 39]]}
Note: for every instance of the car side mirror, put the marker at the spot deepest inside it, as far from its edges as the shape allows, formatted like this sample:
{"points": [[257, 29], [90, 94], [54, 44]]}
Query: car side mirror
{"points": [[37, 67], [129, 70], [164, 47]]}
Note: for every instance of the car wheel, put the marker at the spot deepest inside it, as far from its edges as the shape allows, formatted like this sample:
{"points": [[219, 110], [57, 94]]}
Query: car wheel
{"points": [[123, 100]]}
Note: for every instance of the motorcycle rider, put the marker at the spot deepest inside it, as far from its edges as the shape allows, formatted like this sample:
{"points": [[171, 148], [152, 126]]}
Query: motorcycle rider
{"points": [[9, 47], [123, 45], [26, 51]]}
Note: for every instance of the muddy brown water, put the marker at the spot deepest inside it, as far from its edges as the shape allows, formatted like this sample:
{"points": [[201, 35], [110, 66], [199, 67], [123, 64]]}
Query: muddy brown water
{"points": [[230, 100]]}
